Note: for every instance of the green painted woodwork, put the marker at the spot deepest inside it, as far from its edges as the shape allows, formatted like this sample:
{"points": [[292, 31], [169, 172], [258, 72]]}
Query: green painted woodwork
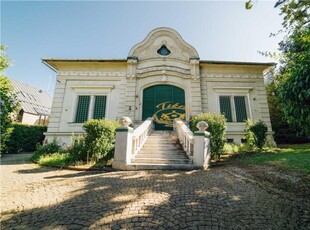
{"points": [[99, 107], [164, 103], [82, 109], [239, 104], [241, 113], [225, 107]]}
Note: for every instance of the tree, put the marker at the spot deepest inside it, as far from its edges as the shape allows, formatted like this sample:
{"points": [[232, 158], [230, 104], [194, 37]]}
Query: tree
{"points": [[8, 101], [292, 84], [284, 132]]}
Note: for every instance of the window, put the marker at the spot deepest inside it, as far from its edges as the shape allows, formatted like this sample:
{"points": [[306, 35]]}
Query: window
{"points": [[163, 51], [82, 109], [234, 108], [99, 107], [86, 105]]}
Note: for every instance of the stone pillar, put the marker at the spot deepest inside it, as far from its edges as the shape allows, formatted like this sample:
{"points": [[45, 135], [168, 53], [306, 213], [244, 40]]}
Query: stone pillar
{"points": [[123, 145], [202, 153]]}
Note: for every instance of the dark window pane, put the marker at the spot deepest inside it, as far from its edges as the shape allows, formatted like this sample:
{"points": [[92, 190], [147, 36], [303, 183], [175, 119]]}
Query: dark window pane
{"points": [[164, 51], [241, 114], [99, 107], [82, 109], [225, 107]]}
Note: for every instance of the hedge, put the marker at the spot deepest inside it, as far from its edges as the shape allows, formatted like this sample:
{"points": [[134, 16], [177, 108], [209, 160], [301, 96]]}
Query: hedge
{"points": [[24, 138]]}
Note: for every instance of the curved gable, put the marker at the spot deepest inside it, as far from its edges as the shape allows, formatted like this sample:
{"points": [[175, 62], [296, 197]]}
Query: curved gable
{"points": [[166, 43]]}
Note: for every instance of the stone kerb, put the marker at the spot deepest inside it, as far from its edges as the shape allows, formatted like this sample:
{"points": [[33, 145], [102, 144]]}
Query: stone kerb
{"points": [[202, 151], [123, 144]]}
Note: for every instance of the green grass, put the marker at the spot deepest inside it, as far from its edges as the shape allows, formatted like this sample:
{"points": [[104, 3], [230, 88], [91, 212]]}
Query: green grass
{"points": [[60, 159], [290, 157]]}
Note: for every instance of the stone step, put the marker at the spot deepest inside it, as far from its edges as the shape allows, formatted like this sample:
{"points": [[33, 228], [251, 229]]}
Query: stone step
{"points": [[161, 141], [157, 151], [162, 147], [161, 161], [143, 166], [161, 156], [154, 144]]}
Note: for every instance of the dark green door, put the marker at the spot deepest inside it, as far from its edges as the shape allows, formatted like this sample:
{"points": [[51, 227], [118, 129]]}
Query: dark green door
{"points": [[164, 103]]}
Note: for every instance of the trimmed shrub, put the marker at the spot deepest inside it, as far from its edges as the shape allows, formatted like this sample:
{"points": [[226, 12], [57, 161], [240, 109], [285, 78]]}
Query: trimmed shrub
{"points": [[24, 138], [256, 133], [47, 149], [217, 127], [100, 138], [78, 149]]}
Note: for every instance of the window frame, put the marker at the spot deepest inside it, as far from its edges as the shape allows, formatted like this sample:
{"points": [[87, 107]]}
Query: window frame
{"points": [[91, 105], [232, 92]]}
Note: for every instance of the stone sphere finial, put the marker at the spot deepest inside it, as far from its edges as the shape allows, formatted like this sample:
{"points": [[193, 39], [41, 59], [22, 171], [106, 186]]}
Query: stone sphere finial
{"points": [[125, 121], [202, 125]]}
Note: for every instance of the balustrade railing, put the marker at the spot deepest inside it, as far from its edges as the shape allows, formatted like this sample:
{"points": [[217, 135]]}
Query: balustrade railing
{"points": [[185, 136], [140, 135]]}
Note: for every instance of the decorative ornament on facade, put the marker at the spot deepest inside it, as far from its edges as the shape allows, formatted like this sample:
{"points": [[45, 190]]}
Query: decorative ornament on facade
{"points": [[164, 77], [125, 121], [167, 112]]}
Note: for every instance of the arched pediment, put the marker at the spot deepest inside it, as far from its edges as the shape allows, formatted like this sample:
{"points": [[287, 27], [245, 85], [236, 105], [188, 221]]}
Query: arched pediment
{"points": [[165, 43]]}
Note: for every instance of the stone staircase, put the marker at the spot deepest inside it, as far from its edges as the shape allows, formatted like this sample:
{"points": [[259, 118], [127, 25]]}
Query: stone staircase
{"points": [[162, 150]]}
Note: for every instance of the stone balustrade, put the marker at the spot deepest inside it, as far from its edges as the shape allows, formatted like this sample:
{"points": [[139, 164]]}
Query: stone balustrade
{"points": [[197, 144], [128, 142]]}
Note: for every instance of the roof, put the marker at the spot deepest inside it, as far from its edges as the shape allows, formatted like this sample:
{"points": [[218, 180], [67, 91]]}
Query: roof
{"points": [[32, 100], [45, 60], [237, 63]]}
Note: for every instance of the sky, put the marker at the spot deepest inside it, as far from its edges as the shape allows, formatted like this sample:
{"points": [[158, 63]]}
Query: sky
{"points": [[219, 30]]}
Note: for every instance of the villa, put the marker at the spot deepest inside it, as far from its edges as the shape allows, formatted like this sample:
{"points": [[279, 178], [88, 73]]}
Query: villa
{"points": [[163, 77]]}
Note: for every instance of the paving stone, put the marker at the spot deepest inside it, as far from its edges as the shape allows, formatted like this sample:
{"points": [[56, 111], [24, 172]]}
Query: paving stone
{"points": [[49, 198]]}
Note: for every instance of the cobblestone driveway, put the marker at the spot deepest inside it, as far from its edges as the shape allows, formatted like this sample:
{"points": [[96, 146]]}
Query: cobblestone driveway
{"points": [[221, 198]]}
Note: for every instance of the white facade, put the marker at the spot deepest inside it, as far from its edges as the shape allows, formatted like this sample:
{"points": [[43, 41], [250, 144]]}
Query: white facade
{"points": [[123, 81]]}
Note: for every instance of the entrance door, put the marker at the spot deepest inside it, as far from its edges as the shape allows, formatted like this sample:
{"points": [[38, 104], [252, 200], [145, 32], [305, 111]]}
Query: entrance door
{"points": [[164, 103]]}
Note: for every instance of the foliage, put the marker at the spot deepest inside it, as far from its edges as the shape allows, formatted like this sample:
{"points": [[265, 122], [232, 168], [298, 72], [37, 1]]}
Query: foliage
{"points": [[8, 101], [47, 149], [256, 133], [58, 159], [293, 79], [217, 126], [4, 60], [292, 83], [296, 14], [24, 138], [232, 148], [78, 149], [284, 132], [100, 138]]}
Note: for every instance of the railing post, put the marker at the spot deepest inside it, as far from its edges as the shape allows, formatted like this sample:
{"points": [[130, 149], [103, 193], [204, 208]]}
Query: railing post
{"points": [[123, 145], [202, 154]]}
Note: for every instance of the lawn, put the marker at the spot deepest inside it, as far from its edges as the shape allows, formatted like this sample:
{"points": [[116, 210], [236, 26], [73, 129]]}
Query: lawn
{"points": [[290, 157]]}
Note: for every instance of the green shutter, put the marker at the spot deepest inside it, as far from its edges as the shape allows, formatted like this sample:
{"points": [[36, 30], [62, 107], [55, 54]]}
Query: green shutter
{"points": [[241, 113], [99, 107], [82, 109], [225, 107]]}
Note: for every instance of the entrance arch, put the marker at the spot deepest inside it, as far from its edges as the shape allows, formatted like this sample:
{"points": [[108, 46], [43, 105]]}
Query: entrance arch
{"points": [[164, 103]]}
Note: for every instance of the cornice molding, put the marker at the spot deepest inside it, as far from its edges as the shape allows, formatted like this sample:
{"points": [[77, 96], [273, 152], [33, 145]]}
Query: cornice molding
{"points": [[230, 75], [92, 73]]}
